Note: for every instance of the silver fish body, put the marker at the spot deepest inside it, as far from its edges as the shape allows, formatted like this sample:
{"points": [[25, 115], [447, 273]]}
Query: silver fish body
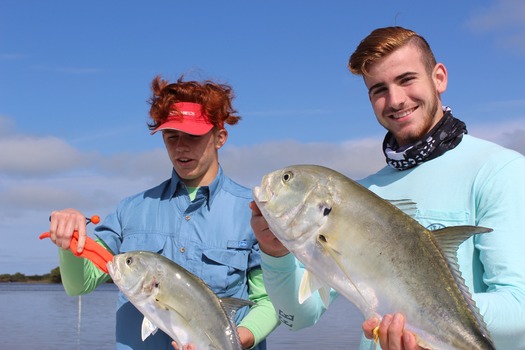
{"points": [[176, 301], [374, 254]]}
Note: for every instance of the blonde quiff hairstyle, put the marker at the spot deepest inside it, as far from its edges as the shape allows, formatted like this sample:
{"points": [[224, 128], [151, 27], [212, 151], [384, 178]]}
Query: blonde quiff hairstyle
{"points": [[383, 41]]}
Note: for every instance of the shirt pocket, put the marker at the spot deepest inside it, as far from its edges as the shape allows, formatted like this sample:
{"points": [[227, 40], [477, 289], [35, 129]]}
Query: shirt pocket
{"points": [[435, 219], [224, 270], [151, 242]]}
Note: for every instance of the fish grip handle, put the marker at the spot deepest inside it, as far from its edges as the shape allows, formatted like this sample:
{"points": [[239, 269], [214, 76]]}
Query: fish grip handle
{"points": [[93, 251]]}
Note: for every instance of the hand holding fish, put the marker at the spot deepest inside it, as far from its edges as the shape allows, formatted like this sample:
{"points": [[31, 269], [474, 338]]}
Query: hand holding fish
{"points": [[392, 334], [184, 347], [268, 243], [245, 335], [62, 225]]}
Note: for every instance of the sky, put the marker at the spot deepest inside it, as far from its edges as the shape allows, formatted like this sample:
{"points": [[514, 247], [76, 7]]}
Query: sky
{"points": [[75, 82]]}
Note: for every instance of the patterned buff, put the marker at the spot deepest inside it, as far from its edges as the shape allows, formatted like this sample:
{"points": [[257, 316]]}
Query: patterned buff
{"points": [[443, 137]]}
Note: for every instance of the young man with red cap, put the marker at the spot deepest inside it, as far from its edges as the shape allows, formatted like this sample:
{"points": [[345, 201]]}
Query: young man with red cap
{"points": [[198, 218]]}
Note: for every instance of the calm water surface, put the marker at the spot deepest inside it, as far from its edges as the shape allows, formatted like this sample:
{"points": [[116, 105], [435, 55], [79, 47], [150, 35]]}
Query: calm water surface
{"points": [[42, 316]]}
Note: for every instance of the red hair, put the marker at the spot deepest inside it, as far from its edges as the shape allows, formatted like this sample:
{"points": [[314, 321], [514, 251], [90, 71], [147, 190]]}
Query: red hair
{"points": [[216, 100]]}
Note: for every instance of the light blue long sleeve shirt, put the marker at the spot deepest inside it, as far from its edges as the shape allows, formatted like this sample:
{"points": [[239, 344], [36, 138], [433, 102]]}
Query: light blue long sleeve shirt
{"points": [[476, 183]]}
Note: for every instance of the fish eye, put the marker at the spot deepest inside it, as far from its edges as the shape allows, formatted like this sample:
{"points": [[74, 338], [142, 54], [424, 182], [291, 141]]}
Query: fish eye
{"points": [[129, 261], [287, 176]]}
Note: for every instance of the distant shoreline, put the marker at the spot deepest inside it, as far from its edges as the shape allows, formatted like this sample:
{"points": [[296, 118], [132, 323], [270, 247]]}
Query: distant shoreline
{"points": [[51, 277], [30, 282]]}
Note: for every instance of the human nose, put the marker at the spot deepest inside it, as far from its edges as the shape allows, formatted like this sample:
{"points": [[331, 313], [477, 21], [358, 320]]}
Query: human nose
{"points": [[181, 144], [396, 96]]}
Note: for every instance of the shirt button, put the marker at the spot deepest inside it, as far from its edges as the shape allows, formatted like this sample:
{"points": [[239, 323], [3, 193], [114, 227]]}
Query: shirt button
{"points": [[182, 249], [187, 218]]}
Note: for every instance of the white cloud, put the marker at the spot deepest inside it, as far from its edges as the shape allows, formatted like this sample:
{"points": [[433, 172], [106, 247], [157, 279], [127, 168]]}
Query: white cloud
{"points": [[516, 140], [247, 165], [35, 156], [95, 184], [7, 126], [500, 14], [510, 134], [504, 18], [506, 105], [153, 164], [288, 112]]}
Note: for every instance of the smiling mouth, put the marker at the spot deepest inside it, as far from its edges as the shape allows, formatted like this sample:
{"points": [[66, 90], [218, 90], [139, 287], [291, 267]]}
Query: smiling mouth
{"points": [[402, 114]]}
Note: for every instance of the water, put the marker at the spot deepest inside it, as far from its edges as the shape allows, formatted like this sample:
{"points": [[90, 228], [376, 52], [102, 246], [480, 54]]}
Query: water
{"points": [[43, 317]]}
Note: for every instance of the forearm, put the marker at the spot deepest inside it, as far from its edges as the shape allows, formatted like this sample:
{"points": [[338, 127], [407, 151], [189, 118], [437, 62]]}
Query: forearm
{"points": [[504, 313], [503, 305], [79, 275], [501, 295], [262, 318], [282, 278]]}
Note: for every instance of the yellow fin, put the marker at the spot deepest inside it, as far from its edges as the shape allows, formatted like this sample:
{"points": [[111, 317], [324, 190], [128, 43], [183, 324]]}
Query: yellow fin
{"points": [[305, 290], [324, 292], [148, 328], [311, 283]]}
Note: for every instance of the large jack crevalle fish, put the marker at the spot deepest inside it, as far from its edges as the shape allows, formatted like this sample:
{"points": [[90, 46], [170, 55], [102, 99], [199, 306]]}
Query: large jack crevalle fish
{"points": [[374, 254], [176, 301]]}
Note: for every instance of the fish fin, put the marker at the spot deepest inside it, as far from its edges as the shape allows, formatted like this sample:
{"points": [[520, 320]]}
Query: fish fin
{"points": [[449, 239], [231, 305], [311, 283], [324, 292], [148, 328], [407, 206], [305, 289], [421, 342], [336, 255]]}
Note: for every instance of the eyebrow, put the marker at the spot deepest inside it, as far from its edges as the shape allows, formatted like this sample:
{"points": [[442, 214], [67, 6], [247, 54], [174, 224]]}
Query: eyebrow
{"points": [[398, 78]]}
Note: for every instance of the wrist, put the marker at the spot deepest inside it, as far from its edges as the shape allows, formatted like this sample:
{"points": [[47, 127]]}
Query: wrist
{"points": [[246, 337]]}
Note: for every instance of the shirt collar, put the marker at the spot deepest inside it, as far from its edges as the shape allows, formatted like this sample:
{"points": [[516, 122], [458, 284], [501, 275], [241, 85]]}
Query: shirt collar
{"points": [[209, 191]]}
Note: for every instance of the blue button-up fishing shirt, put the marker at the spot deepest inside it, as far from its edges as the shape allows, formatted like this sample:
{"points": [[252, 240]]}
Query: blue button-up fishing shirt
{"points": [[209, 236]]}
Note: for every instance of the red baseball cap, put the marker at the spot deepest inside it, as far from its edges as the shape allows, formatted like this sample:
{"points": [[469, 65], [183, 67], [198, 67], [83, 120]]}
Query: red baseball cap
{"points": [[186, 117]]}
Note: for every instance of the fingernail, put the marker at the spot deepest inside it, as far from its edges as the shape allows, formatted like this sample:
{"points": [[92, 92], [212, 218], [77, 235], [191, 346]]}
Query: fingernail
{"points": [[387, 319], [398, 318]]}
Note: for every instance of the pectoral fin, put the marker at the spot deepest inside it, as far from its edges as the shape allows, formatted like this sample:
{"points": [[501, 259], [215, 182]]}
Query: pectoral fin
{"points": [[329, 248], [311, 283], [148, 328]]}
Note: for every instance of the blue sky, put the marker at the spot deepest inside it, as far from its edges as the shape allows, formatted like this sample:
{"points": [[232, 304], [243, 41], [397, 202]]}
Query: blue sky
{"points": [[74, 85]]}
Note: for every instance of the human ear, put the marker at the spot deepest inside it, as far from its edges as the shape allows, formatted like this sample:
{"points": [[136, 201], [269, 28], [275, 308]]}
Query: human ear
{"points": [[220, 138], [440, 77]]}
